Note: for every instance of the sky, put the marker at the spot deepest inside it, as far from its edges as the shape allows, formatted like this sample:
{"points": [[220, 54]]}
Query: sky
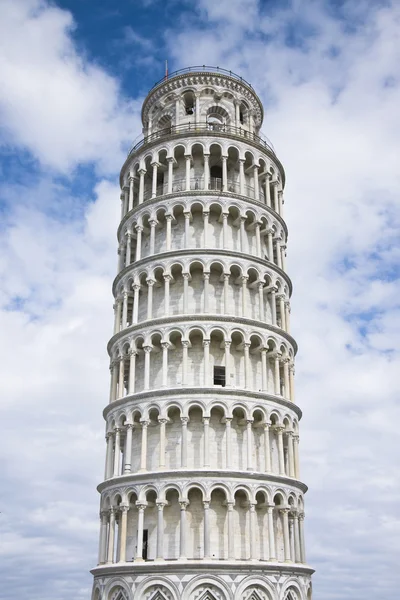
{"points": [[73, 76]]}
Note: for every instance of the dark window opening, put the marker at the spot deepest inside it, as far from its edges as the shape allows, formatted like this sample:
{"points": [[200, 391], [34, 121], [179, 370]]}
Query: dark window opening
{"points": [[241, 117], [219, 376], [145, 543]]}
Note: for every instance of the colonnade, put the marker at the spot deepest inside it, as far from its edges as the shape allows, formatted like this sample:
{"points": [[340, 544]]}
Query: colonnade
{"points": [[129, 378], [245, 444], [280, 538], [257, 299], [254, 238], [142, 185]]}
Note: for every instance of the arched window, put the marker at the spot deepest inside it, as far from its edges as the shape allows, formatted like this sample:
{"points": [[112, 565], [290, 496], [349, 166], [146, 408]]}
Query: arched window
{"points": [[164, 124], [217, 117], [188, 99]]}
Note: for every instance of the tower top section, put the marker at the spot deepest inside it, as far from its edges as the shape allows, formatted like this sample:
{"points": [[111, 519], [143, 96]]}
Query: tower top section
{"points": [[214, 92]]}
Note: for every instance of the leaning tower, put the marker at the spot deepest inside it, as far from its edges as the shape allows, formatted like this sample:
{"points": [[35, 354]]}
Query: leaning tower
{"points": [[202, 497]]}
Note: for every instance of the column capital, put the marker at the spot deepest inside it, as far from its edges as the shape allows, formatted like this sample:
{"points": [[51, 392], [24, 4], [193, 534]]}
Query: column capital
{"points": [[163, 420], [186, 276], [206, 275], [227, 344], [206, 420], [206, 504], [139, 228], [206, 343], [141, 506], [301, 516], [167, 277], [131, 178], [165, 345], [147, 349], [155, 164], [150, 282], [142, 171], [144, 423], [184, 420], [136, 287], [230, 505], [153, 222], [296, 438], [185, 343], [279, 429], [123, 508], [160, 504], [284, 511], [183, 504], [130, 426]]}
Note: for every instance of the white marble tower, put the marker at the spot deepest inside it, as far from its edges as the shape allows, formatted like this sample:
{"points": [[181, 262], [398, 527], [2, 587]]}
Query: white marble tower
{"points": [[202, 497]]}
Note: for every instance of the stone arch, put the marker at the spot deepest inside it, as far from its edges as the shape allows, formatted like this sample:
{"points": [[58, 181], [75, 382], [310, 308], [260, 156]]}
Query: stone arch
{"points": [[255, 588], [117, 589], [211, 588]]}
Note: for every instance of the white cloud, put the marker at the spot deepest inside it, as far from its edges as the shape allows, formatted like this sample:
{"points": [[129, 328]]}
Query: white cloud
{"points": [[55, 102]]}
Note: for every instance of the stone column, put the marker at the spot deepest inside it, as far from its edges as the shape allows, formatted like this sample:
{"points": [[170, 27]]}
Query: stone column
{"points": [[118, 311], [132, 371], [275, 196], [128, 248], [270, 246], [205, 229], [185, 292], [281, 298], [111, 537], [246, 365], [286, 377], [131, 184], [271, 533], [302, 542], [256, 186], [252, 531], [114, 380], [224, 174], [267, 448], [187, 221], [241, 176], [291, 454], [197, 108], [296, 456], [206, 171], [167, 279], [228, 433], [153, 224], [297, 549], [283, 256], [139, 230], [150, 284], [103, 537], [226, 293], [155, 165], [286, 542], [165, 346], [168, 219], [185, 347], [242, 234], [125, 310], [260, 285], [273, 305], [206, 277], [224, 230], [281, 457], [258, 240], [170, 161], [143, 448], [227, 346], [291, 537], [280, 202], [147, 350], [188, 158], [135, 310], [278, 254], [121, 384], [206, 505], [177, 111], [244, 279], [249, 444], [184, 421], [163, 423], [231, 532], [206, 423], [206, 346], [267, 192], [277, 375], [182, 532], [117, 452], [142, 173], [160, 530], [264, 375], [122, 532], [287, 315], [139, 553], [128, 447], [109, 455], [291, 381]]}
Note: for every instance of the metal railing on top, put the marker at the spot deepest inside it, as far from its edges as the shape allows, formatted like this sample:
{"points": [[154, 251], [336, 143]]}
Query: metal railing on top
{"points": [[197, 183], [199, 69], [202, 128]]}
